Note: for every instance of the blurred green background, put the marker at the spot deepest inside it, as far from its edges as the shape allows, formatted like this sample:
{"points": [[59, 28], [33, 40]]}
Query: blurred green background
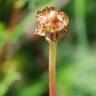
{"points": [[24, 56]]}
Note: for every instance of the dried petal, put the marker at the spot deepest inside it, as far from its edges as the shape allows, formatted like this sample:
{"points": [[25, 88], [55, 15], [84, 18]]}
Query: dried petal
{"points": [[51, 23]]}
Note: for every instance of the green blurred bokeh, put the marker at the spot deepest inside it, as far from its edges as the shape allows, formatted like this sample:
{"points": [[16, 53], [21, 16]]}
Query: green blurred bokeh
{"points": [[24, 57]]}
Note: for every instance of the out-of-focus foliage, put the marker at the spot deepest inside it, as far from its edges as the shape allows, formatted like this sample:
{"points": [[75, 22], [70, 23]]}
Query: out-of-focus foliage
{"points": [[28, 20], [3, 36], [24, 71]]}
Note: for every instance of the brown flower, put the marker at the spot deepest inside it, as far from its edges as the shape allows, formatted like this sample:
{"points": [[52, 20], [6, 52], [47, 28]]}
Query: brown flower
{"points": [[51, 23]]}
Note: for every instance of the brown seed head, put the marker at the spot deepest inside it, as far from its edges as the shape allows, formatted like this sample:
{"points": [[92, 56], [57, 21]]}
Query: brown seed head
{"points": [[51, 23]]}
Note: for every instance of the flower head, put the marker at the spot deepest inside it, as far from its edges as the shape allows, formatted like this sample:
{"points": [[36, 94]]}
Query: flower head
{"points": [[51, 23]]}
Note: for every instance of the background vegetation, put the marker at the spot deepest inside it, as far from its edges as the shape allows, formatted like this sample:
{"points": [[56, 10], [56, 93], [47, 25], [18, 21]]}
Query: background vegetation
{"points": [[24, 56]]}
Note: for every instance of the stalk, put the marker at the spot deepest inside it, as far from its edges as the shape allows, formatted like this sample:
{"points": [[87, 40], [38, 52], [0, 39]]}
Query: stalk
{"points": [[80, 22], [52, 68], [52, 29]]}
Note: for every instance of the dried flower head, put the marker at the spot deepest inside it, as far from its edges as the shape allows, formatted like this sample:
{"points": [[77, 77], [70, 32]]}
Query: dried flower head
{"points": [[51, 23]]}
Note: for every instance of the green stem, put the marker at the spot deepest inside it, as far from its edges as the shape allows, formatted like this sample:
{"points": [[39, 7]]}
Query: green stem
{"points": [[52, 69], [80, 23]]}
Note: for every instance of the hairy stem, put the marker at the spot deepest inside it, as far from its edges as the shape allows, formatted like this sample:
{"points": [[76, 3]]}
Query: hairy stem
{"points": [[52, 69]]}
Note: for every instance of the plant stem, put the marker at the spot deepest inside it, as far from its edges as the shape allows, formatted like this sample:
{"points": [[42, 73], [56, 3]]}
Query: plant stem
{"points": [[52, 69], [80, 21]]}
